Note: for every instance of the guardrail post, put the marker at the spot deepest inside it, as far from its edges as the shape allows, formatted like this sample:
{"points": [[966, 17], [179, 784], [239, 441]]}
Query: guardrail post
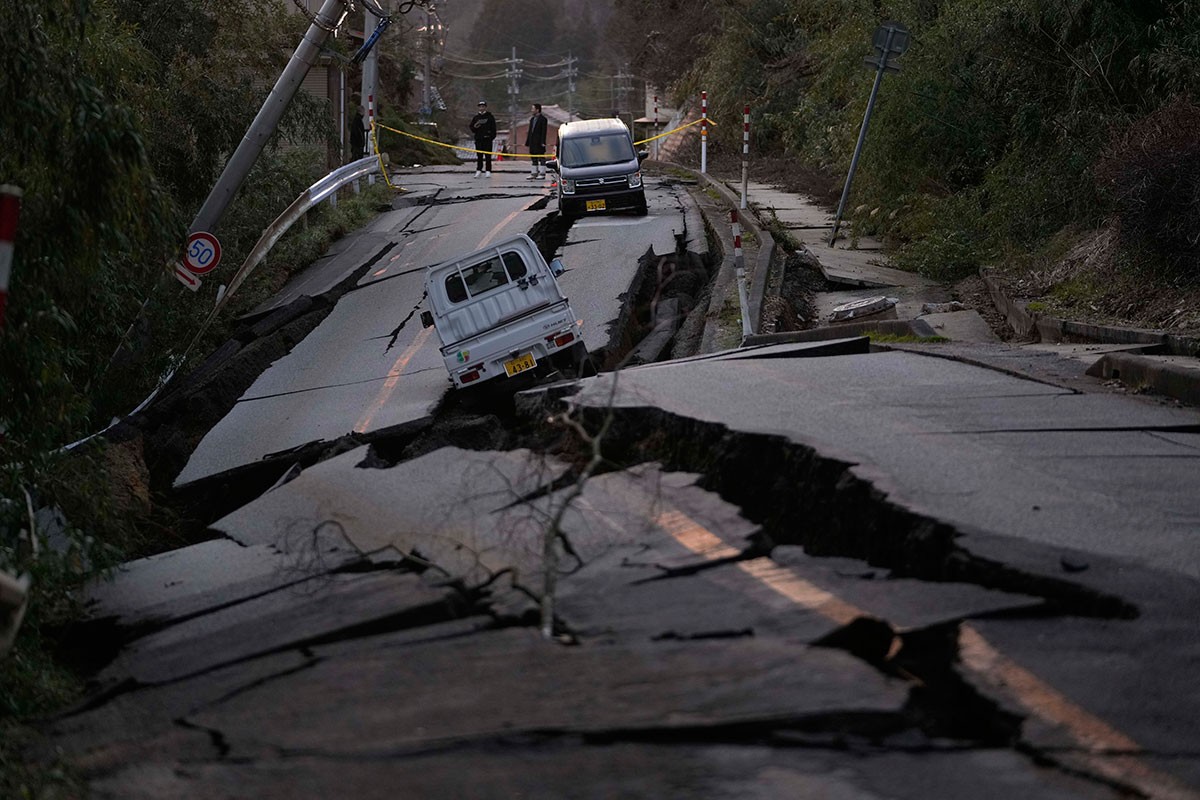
{"points": [[10, 211], [739, 264], [745, 153]]}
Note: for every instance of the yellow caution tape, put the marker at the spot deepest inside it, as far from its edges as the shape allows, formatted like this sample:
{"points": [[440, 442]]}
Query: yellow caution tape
{"points": [[519, 155], [676, 130], [464, 149], [379, 155]]}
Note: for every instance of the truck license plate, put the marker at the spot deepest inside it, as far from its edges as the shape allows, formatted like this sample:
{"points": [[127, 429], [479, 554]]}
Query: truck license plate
{"points": [[520, 364], [595, 205]]}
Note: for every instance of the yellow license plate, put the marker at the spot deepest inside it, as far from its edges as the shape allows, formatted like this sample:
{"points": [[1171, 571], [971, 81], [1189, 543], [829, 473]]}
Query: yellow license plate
{"points": [[520, 364], [595, 205]]}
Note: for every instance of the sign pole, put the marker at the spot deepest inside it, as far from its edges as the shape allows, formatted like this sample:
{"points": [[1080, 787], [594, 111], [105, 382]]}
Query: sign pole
{"points": [[888, 33]]}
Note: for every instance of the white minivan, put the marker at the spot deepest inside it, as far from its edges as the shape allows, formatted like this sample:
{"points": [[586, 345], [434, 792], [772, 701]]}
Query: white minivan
{"points": [[499, 312]]}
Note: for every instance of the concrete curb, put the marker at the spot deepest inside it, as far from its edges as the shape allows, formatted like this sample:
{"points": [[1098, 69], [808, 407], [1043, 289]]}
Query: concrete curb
{"points": [[888, 327], [766, 249], [1052, 329], [1146, 372], [1140, 371]]}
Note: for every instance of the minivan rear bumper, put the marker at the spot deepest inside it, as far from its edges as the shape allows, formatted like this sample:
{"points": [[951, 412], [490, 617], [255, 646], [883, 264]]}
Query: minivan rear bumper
{"points": [[623, 199]]}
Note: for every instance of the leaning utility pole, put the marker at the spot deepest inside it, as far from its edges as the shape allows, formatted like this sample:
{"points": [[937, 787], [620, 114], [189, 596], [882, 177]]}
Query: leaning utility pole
{"points": [[571, 72], [623, 89], [370, 67], [264, 125], [513, 73], [426, 95]]}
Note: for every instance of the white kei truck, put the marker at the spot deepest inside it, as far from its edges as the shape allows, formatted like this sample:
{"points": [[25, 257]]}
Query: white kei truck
{"points": [[499, 312]]}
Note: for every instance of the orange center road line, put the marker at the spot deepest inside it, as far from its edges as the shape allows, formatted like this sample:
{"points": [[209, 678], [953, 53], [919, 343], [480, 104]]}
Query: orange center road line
{"points": [[1111, 750], [501, 225], [393, 378], [704, 542]]}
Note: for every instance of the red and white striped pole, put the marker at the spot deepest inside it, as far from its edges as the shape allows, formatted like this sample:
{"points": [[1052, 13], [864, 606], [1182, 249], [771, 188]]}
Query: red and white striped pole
{"points": [[740, 264], [704, 131], [372, 143], [745, 153], [10, 211]]}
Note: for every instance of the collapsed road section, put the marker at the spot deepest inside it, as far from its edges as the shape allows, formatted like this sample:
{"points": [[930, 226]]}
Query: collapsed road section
{"points": [[821, 570], [730, 592]]}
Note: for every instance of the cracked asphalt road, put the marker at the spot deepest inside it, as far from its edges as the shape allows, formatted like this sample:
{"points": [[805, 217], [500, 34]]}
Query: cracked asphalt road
{"points": [[803, 571]]}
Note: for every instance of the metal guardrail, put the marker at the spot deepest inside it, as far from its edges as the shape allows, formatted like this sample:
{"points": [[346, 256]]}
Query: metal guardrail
{"points": [[311, 197]]}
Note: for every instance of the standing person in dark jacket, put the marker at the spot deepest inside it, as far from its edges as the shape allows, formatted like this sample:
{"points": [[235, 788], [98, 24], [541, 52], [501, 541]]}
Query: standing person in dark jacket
{"points": [[535, 140], [483, 126], [358, 136]]}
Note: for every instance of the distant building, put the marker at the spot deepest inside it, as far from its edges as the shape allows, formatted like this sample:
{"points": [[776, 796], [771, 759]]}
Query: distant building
{"points": [[644, 126]]}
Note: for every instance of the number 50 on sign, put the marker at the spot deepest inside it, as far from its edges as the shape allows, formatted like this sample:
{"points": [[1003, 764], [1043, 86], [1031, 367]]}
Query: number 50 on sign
{"points": [[202, 254]]}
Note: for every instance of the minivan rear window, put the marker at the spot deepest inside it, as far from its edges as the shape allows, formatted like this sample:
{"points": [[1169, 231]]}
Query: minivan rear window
{"points": [[596, 150]]}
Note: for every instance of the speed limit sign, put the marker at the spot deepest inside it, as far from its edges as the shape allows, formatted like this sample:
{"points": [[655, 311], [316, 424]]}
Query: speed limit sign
{"points": [[202, 254]]}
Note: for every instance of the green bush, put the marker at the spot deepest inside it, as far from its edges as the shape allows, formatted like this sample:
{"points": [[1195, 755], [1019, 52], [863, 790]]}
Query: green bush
{"points": [[997, 118]]}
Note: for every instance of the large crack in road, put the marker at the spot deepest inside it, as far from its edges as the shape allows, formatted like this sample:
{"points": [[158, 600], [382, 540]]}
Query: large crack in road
{"points": [[804, 507]]}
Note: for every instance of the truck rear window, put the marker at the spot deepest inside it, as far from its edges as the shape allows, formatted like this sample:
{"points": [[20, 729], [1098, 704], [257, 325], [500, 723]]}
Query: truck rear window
{"points": [[480, 278]]}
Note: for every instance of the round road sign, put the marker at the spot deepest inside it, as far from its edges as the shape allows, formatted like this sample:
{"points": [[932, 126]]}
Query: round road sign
{"points": [[202, 254]]}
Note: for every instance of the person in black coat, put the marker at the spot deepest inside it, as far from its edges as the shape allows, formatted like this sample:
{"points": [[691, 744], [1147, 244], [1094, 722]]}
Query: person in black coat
{"points": [[535, 140], [483, 126], [358, 136]]}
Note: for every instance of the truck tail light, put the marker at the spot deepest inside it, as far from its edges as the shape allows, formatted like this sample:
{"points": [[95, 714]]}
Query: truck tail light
{"points": [[471, 374], [560, 339]]}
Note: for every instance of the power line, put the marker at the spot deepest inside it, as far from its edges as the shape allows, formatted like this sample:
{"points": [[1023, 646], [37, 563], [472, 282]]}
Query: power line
{"points": [[474, 77]]}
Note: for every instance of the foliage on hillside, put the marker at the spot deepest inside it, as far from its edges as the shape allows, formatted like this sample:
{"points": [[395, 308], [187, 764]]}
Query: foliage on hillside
{"points": [[987, 143], [118, 118]]}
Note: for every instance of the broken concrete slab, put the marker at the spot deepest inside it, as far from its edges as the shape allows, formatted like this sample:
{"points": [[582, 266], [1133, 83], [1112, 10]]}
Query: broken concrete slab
{"points": [[205, 576], [925, 431], [298, 615], [129, 726], [344, 257], [961, 326], [608, 599], [569, 768], [866, 268], [909, 300], [906, 604], [512, 683], [441, 507]]}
